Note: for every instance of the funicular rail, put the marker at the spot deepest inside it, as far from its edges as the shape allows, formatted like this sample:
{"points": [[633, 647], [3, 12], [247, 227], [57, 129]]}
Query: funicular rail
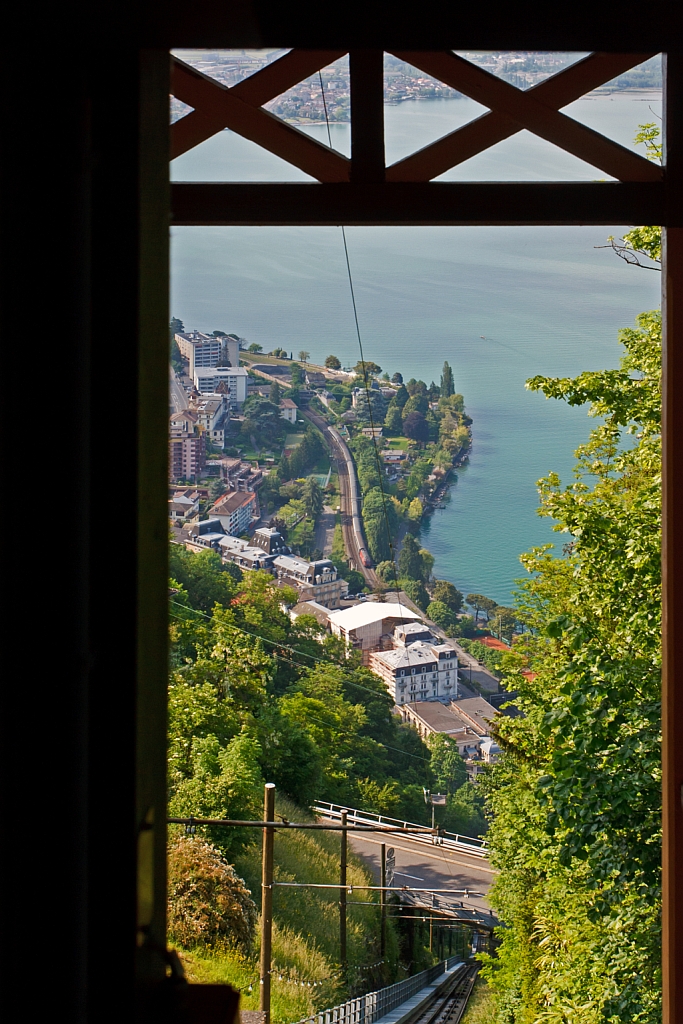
{"points": [[374, 1005]]}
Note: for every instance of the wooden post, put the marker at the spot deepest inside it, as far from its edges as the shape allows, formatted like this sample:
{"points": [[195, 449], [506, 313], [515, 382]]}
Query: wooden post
{"points": [[366, 72], [267, 901], [672, 549], [383, 901], [342, 895]]}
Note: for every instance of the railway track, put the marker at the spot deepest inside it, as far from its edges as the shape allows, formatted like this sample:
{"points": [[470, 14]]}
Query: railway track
{"points": [[352, 529], [449, 1006]]}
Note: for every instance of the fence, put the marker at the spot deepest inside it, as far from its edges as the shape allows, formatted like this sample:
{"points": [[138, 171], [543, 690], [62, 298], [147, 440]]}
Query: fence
{"points": [[449, 840], [369, 1008]]}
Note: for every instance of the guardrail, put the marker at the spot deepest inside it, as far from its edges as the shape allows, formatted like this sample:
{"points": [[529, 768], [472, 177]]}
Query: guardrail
{"points": [[449, 840], [369, 1008]]}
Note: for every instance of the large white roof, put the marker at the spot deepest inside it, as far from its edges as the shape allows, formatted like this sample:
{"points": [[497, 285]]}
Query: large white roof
{"points": [[368, 612]]}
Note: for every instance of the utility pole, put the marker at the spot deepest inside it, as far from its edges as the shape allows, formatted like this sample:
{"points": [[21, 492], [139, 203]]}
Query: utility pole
{"points": [[342, 897], [431, 924], [267, 901], [383, 901]]}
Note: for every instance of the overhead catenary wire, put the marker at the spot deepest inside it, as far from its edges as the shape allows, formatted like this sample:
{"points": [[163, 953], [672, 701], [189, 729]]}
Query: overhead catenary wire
{"points": [[362, 358]]}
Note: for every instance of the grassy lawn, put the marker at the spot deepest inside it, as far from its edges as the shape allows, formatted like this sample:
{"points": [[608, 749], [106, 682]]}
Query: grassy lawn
{"points": [[400, 443], [481, 1008]]}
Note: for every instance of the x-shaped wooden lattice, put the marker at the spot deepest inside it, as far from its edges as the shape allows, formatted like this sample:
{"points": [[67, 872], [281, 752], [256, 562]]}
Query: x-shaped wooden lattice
{"points": [[537, 109]]}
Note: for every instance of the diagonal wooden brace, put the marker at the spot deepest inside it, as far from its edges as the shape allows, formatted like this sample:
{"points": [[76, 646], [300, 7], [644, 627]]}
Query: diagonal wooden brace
{"points": [[512, 109], [239, 108]]}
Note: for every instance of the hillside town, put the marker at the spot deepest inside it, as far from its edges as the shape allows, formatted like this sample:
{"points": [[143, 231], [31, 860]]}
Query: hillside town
{"points": [[223, 503]]}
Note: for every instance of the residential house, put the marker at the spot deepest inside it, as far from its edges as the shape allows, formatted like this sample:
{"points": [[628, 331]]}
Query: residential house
{"points": [[371, 431], [199, 536], [183, 423], [288, 410], [236, 511], [316, 581], [182, 507]]}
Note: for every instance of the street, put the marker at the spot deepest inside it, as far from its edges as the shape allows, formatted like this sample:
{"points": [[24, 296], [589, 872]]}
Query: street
{"points": [[176, 393], [421, 866]]}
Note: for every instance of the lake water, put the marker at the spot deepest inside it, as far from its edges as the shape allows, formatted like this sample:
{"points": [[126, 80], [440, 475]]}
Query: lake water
{"points": [[500, 304]]}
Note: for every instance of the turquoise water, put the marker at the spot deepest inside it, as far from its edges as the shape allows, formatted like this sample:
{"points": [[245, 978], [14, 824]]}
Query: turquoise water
{"points": [[501, 304]]}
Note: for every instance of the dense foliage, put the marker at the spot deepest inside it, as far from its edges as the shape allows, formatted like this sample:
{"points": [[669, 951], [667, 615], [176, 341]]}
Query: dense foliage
{"points": [[208, 903], [576, 797]]}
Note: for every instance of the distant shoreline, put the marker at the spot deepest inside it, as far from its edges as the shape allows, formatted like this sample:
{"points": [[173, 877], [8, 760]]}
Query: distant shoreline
{"points": [[593, 94]]}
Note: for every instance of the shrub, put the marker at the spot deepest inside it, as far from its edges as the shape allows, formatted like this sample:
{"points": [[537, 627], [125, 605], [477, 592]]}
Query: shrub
{"points": [[208, 903]]}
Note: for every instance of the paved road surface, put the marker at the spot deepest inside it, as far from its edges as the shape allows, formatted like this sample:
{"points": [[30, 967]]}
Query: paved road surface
{"points": [[324, 530], [420, 865], [176, 393]]}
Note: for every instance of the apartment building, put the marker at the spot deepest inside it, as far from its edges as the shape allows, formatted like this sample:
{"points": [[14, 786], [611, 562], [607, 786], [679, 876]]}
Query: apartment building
{"points": [[240, 475], [199, 349], [207, 380], [315, 581], [235, 511], [423, 670], [186, 456]]}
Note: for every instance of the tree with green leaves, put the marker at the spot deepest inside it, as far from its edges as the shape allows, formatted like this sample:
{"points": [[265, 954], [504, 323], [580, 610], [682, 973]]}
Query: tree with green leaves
{"points": [[441, 614], [450, 595], [333, 363], [312, 497], [502, 622], [304, 356], [416, 591], [255, 348], [410, 560], [446, 763], [275, 394], [480, 603], [380, 520], [393, 421], [447, 387], [298, 375], [576, 797], [366, 368]]}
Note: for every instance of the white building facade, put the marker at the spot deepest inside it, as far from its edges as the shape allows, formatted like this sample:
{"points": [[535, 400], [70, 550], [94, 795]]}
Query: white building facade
{"points": [[207, 380], [420, 671], [199, 349]]}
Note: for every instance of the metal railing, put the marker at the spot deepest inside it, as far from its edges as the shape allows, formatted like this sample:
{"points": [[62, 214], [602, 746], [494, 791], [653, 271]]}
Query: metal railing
{"points": [[369, 1008], [449, 840]]}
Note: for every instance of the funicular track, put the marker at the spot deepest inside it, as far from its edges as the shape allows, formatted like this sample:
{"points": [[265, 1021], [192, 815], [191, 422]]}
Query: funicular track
{"points": [[451, 1003]]}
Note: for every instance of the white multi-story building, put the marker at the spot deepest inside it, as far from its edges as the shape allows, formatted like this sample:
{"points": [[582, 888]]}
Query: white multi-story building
{"points": [[420, 670], [207, 380], [199, 349]]}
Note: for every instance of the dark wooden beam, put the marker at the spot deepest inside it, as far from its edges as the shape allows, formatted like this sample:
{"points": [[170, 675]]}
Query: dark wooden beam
{"points": [[366, 69], [585, 25], [672, 576], [529, 110], [491, 128], [432, 203]]}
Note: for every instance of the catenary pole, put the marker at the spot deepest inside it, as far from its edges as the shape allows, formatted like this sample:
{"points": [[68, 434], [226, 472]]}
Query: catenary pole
{"points": [[267, 902], [383, 901], [342, 896]]}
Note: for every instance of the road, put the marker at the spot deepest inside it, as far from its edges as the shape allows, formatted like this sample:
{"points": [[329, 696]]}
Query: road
{"points": [[324, 531], [420, 866], [348, 487], [176, 393]]}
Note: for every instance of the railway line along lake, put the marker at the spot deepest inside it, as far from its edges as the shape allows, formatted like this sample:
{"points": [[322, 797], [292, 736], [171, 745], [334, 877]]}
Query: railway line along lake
{"points": [[500, 304]]}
